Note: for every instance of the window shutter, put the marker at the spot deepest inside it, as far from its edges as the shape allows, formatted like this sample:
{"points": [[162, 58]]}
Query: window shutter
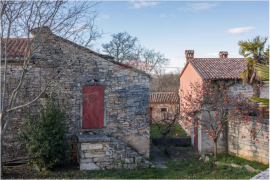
{"points": [[93, 107]]}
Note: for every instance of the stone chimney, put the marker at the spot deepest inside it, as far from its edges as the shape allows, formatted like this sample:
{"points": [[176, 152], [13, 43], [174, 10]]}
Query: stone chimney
{"points": [[189, 54], [223, 54], [41, 31]]}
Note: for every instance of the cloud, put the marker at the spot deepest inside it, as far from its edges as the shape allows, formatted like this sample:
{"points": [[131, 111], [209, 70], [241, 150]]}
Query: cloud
{"points": [[142, 3], [198, 6], [240, 30], [163, 15], [103, 17]]}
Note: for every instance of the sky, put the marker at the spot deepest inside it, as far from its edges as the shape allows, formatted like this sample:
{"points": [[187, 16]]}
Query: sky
{"points": [[171, 27]]}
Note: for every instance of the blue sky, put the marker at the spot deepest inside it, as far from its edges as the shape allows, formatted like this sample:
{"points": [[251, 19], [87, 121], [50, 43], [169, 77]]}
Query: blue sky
{"points": [[172, 27]]}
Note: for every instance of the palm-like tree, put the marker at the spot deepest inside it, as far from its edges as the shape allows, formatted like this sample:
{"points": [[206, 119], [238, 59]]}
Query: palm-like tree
{"points": [[254, 51], [251, 47], [263, 72]]}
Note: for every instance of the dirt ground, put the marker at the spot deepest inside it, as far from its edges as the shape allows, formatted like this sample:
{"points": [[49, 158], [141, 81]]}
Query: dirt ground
{"points": [[22, 172]]}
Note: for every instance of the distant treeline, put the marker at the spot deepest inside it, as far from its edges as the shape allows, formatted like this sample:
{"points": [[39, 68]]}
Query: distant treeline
{"points": [[165, 83]]}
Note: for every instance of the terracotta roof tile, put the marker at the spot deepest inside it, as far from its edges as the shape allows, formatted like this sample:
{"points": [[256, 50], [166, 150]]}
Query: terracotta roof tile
{"points": [[164, 97], [219, 68], [16, 47]]}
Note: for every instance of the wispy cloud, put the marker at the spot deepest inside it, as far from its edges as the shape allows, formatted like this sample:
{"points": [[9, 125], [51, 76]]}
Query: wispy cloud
{"points": [[197, 6], [163, 15], [142, 3], [240, 30], [103, 17]]}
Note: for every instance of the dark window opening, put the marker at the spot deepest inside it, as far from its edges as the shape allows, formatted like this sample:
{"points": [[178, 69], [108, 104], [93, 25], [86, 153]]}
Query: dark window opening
{"points": [[163, 109]]}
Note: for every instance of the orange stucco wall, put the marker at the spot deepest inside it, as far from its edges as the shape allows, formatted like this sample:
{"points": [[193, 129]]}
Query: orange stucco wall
{"points": [[188, 76]]}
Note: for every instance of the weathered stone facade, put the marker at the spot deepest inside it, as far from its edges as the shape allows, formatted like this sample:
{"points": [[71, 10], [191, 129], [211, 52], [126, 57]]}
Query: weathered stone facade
{"points": [[244, 144], [247, 90], [126, 94], [102, 152], [157, 113]]}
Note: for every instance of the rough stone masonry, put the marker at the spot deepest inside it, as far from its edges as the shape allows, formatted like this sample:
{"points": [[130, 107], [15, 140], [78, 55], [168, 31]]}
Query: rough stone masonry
{"points": [[126, 96], [102, 152]]}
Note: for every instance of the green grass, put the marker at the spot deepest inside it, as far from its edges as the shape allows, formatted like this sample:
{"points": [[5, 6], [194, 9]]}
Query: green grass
{"points": [[186, 169], [176, 129], [226, 158]]}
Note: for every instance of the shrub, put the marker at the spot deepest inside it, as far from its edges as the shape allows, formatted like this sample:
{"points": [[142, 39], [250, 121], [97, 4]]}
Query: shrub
{"points": [[45, 137]]}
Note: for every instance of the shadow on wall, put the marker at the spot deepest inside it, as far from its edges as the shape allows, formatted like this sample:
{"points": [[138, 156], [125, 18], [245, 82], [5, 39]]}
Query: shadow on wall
{"points": [[132, 117]]}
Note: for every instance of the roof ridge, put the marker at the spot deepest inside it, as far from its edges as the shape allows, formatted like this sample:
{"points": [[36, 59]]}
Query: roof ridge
{"points": [[106, 57], [17, 38], [218, 68]]}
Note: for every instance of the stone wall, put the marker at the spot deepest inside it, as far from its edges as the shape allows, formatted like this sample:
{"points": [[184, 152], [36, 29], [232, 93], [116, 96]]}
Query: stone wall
{"points": [[205, 143], [102, 152], [126, 96], [264, 91], [73, 148], [239, 88], [243, 143], [247, 90], [157, 114]]}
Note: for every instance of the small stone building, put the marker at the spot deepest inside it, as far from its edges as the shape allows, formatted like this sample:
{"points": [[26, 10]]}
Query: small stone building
{"points": [[215, 69], [160, 103], [108, 110]]}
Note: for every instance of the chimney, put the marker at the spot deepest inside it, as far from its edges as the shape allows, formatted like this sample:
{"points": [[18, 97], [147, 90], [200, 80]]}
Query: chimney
{"points": [[189, 54], [223, 54], [41, 31]]}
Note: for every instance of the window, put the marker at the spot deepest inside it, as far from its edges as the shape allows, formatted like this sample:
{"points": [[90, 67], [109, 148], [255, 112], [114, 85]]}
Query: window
{"points": [[93, 107], [164, 109]]}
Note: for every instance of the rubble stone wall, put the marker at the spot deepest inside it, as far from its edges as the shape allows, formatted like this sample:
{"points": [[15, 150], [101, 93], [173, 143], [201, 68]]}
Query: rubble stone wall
{"points": [[251, 146], [102, 152], [126, 94], [247, 90]]}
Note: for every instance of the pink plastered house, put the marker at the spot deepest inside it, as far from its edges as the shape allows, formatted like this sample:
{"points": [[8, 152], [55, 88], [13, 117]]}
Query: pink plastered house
{"points": [[201, 69]]}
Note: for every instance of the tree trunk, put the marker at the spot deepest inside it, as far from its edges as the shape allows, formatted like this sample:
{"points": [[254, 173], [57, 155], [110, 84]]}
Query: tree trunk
{"points": [[255, 92], [215, 148]]}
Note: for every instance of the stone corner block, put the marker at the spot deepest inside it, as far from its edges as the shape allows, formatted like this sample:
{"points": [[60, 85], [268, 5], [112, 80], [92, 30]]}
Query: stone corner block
{"points": [[88, 166], [250, 169], [236, 165]]}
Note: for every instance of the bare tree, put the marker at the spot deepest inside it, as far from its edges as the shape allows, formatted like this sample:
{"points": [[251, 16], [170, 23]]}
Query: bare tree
{"points": [[121, 46], [124, 47], [169, 117], [162, 82], [40, 22]]}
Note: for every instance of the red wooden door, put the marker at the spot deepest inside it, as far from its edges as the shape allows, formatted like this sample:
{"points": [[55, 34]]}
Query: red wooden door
{"points": [[195, 138], [93, 107]]}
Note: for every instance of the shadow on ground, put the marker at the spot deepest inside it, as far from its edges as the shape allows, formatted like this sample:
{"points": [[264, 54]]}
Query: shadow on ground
{"points": [[163, 154]]}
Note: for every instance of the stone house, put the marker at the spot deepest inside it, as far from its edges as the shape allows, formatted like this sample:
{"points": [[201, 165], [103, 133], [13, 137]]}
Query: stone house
{"points": [[108, 112], [160, 103], [215, 69]]}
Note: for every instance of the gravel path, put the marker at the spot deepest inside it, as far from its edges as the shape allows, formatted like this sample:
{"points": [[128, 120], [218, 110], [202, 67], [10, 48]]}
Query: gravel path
{"points": [[262, 175], [159, 159]]}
